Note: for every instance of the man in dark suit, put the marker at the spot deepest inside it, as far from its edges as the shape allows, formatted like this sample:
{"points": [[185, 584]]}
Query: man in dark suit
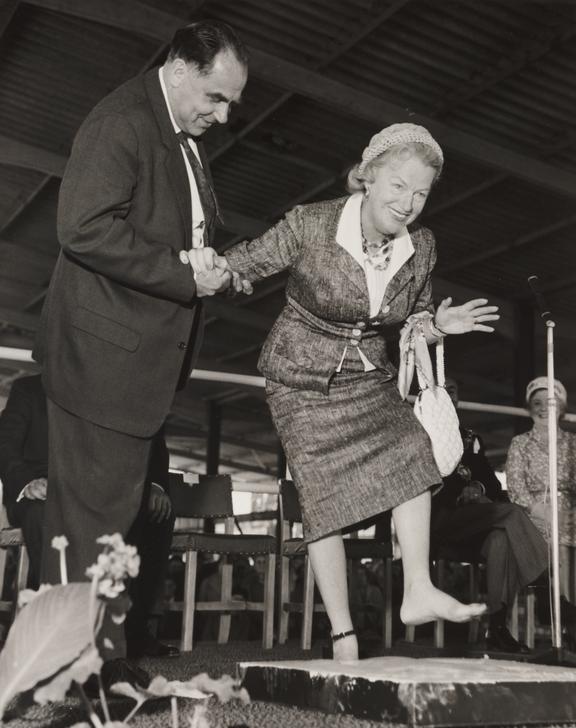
{"points": [[24, 464], [122, 320], [24, 473], [473, 517]]}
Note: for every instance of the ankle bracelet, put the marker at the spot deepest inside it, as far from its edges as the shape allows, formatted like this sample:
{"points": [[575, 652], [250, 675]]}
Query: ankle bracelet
{"points": [[341, 635]]}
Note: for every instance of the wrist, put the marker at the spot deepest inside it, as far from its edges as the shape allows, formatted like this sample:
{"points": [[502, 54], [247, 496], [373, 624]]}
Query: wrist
{"points": [[436, 330]]}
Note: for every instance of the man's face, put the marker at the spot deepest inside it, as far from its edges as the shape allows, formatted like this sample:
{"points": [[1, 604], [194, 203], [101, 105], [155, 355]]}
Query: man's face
{"points": [[199, 100], [452, 389]]}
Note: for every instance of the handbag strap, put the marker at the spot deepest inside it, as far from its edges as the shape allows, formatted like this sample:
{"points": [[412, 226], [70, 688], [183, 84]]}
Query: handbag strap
{"points": [[440, 377], [423, 382]]}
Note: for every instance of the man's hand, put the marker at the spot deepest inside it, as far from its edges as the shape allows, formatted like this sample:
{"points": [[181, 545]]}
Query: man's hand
{"points": [[473, 493], [202, 260], [213, 273], [214, 281], [159, 505], [35, 489], [238, 284]]}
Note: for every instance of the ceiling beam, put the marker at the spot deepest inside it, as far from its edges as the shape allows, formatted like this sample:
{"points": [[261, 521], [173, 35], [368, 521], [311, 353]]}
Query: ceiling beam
{"points": [[7, 10], [515, 58], [464, 195], [508, 247], [141, 19], [23, 204], [21, 154], [358, 104], [353, 39]]}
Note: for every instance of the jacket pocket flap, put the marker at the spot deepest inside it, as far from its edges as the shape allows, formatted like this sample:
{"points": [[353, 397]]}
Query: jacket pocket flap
{"points": [[106, 329]]}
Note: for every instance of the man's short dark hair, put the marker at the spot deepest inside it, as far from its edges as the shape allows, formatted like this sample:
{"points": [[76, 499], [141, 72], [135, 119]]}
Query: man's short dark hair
{"points": [[200, 43]]}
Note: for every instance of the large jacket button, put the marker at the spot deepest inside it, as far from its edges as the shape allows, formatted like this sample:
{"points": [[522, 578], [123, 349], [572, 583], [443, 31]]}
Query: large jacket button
{"points": [[182, 345], [356, 332], [386, 309], [354, 342]]}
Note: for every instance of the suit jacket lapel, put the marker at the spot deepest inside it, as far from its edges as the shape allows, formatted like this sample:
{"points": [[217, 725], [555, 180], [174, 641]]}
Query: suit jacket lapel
{"points": [[344, 260], [402, 277], [350, 268], [175, 167]]}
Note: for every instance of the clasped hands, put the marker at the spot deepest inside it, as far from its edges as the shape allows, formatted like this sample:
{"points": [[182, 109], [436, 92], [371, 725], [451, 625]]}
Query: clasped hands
{"points": [[213, 274]]}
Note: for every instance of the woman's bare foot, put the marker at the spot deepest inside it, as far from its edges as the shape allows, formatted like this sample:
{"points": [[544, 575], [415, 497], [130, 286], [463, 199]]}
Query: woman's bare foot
{"points": [[345, 649], [426, 603]]}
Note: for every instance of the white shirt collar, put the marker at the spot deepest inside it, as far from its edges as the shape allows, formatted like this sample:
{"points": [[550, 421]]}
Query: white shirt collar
{"points": [[177, 129], [165, 93], [349, 237]]}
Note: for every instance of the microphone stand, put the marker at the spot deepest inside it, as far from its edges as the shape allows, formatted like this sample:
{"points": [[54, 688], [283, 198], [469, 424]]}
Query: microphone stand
{"points": [[557, 655]]}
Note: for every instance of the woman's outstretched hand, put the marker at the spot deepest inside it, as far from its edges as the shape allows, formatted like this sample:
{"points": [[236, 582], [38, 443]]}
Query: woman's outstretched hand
{"points": [[470, 316]]}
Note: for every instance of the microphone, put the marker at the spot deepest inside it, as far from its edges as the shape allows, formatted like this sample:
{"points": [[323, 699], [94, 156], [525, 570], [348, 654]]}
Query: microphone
{"points": [[534, 283]]}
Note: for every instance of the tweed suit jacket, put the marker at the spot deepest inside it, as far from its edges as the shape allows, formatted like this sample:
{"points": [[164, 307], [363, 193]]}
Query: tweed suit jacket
{"points": [[121, 323], [327, 296]]}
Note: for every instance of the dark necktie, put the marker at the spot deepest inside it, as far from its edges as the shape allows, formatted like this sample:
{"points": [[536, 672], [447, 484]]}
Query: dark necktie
{"points": [[207, 195]]}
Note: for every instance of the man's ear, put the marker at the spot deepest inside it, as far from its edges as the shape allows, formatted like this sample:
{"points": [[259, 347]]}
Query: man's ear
{"points": [[176, 72]]}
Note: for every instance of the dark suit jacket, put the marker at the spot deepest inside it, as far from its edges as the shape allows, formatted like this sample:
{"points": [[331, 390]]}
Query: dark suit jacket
{"points": [[475, 460], [121, 323], [328, 296], [23, 439]]}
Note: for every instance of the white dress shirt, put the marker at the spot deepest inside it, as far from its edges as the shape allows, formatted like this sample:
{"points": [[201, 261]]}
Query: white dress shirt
{"points": [[198, 228]]}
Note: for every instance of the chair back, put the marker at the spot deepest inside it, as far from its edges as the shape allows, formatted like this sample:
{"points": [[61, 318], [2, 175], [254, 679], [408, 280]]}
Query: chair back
{"points": [[210, 498]]}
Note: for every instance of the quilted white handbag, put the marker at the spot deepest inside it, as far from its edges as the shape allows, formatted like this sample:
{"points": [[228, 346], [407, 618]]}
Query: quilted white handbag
{"points": [[437, 414]]}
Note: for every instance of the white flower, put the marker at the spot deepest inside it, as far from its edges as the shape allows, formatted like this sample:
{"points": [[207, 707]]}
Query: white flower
{"points": [[59, 543], [117, 562]]}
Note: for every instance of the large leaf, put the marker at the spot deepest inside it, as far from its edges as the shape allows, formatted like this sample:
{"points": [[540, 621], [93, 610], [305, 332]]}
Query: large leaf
{"points": [[79, 671], [47, 635]]}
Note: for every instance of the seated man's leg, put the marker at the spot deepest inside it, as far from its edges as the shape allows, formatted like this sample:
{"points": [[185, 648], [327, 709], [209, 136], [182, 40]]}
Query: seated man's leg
{"points": [[512, 547], [29, 516]]}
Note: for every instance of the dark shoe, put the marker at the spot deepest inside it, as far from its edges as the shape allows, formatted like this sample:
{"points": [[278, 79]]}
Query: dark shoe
{"points": [[499, 639], [115, 671], [148, 646]]}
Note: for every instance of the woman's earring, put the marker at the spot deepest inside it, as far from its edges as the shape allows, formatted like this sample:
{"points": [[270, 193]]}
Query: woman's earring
{"points": [[366, 192]]}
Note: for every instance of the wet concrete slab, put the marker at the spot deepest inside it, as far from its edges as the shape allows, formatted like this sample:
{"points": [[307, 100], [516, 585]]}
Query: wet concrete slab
{"points": [[420, 692]]}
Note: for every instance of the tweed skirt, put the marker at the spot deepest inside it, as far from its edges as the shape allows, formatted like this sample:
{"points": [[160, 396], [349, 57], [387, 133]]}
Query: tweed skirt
{"points": [[353, 453]]}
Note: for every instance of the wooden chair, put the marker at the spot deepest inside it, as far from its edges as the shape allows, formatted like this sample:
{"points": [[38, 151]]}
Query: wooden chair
{"points": [[294, 547], [211, 498], [11, 538], [525, 604]]}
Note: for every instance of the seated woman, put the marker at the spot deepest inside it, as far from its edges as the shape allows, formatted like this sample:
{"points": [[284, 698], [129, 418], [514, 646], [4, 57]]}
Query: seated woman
{"points": [[528, 480], [527, 464], [358, 267]]}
